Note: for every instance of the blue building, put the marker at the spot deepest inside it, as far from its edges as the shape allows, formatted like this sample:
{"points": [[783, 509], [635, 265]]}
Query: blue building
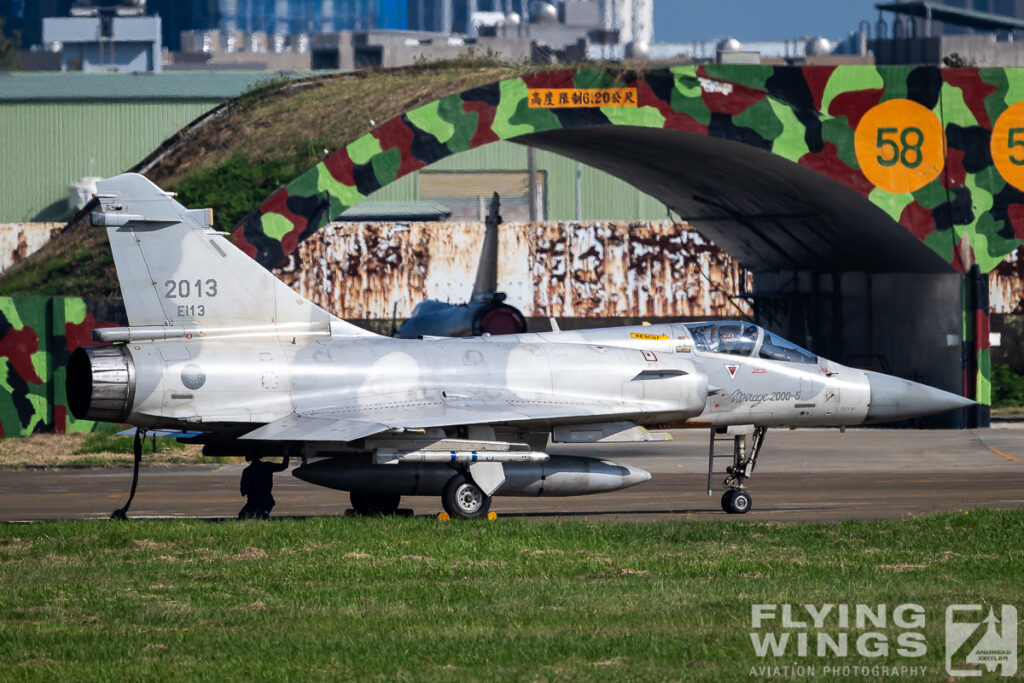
{"points": [[309, 16], [286, 17]]}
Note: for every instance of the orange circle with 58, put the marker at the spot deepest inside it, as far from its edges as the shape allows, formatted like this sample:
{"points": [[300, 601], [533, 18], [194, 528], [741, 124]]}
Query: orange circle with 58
{"points": [[1007, 145], [900, 146]]}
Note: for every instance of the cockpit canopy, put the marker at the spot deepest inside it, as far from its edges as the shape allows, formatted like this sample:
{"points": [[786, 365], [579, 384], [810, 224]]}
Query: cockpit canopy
{"points": [[746, 339]]}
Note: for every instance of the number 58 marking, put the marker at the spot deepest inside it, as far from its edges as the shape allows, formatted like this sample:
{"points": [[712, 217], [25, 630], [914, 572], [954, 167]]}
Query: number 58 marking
{"points": [[900, 146], [908, 150], [1007, 145], [1015, 138]]}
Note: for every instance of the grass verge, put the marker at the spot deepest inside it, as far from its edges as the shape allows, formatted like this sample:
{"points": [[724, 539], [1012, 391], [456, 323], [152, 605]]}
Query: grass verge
{"points": [[416, 599], [93, 450]]}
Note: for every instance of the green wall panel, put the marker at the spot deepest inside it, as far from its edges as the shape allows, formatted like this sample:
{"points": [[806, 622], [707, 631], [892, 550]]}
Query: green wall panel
{"points": [[605, 197], [45, 146]]}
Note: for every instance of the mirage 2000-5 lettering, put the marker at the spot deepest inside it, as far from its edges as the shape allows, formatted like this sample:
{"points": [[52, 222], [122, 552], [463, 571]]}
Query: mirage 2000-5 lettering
{"points": [[262, 371]]}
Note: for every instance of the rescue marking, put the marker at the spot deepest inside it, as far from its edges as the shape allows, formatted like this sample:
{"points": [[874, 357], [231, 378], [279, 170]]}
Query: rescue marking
{"points": [[649, 356], [576, 98], [649, 337], [732, 370]]}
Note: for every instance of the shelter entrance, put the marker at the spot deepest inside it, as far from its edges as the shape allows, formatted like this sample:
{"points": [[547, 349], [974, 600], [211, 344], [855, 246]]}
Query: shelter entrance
{"points": [[832, 271]]}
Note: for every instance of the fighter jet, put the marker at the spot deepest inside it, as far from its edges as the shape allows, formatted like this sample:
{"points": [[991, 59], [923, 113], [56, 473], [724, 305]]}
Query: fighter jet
{"points": [[485, 313], [218, 347]]}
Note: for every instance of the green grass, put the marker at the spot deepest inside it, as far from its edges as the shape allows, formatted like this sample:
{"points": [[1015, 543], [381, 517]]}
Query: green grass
{"points": [[417, 599], [1007, 386], [98, 449], [235, 187]]}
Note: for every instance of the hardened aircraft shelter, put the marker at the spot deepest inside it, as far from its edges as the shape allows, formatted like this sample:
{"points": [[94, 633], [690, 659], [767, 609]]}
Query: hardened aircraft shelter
{"points": [[870, 202]]}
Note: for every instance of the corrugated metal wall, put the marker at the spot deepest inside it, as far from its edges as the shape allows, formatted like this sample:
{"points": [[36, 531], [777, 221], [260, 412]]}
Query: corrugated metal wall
{"points": [[54, 144], [604, 196], [600, 269], [46, 146]]}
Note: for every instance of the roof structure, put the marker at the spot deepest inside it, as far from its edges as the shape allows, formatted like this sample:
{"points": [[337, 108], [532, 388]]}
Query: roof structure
{"points": [[34, 86], [984, 21], [395, 211]]}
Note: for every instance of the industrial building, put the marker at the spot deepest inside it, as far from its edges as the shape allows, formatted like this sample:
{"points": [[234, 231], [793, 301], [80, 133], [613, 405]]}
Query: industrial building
{"points": [[92, 40], [298, 35], [968, 32]]}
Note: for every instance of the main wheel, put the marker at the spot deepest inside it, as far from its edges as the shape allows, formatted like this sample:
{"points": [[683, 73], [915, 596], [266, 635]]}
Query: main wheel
{"points": [[461, 497], [739, 502], [727, 499], [370, 504]]}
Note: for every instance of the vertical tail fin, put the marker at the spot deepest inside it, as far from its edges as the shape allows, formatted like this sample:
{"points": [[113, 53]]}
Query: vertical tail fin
{"points": [[175, 270], [486, 283]]}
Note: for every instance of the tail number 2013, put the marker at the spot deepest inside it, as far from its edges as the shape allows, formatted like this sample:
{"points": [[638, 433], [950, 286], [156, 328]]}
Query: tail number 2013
{"points": [[184, 289], [187, 289]]}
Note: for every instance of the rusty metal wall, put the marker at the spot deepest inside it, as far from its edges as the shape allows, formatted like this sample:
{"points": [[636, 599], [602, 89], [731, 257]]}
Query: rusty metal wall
{"points": [[1006, 285], [19, 240], [562, 269]]}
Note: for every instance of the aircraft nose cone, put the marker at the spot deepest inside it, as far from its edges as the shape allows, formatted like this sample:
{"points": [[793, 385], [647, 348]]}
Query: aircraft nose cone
{"points": [[893, 398]]}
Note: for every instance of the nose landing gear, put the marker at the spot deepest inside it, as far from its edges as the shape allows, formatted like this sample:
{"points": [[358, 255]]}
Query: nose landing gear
{"points": [[746, 446], [736, 501]]}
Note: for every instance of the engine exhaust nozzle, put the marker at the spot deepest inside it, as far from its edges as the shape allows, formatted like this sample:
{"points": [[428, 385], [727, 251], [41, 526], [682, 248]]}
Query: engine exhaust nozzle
{"points": [[101, 383]]}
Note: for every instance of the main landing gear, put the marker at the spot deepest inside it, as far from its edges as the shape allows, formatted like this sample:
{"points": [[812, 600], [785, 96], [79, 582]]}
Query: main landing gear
{"points": [[746, 445], [462, 498]]}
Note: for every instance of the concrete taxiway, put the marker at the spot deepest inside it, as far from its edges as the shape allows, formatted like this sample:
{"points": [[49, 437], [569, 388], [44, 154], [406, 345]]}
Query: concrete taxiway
{"points": [[806, 475]]}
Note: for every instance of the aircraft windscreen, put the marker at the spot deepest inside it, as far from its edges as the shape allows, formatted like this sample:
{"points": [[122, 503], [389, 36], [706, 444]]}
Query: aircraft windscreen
{"points": [[737, 338], [777, 348]]}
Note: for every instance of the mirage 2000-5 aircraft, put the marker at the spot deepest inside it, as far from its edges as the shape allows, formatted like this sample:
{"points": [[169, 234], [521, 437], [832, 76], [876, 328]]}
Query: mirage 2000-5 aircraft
{"points": [[219, 348]]}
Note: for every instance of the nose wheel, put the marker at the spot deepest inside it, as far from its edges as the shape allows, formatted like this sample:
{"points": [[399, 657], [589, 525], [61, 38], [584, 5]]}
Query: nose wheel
{"points": [[736, 501]]}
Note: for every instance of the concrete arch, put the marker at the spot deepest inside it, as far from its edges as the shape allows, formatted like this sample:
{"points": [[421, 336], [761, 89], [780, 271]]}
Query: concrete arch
{"points": [[761, 158]]}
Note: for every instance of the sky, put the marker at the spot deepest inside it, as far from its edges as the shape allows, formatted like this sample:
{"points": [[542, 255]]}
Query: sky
{"points": [[679, 21]]}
